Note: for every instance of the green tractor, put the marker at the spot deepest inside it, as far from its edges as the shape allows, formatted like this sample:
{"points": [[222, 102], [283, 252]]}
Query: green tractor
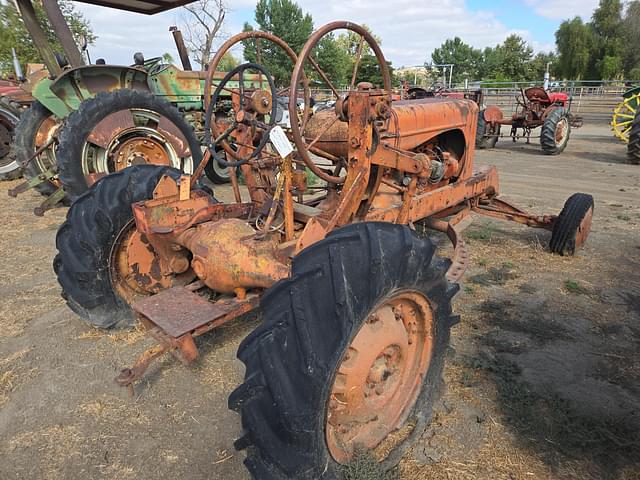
{"points": [[88, 121]]}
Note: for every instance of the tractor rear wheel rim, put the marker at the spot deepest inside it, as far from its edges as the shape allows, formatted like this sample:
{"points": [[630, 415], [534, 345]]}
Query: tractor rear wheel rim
{"points": [[135, 268], [561, 131], [44, 135], [623, 116], [380, 376], [141, 143], [584, 229]]}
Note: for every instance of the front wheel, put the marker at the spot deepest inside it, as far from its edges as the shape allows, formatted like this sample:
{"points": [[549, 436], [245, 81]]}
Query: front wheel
{"points": [[555, 133], [573, 225], [349, 356], [487, 134]]}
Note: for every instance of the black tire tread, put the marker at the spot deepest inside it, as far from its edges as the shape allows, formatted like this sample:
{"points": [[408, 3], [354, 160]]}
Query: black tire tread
{"points": [[308, 321], [483, 142], [633, 148], [30, 121], [548, 132], [80, 123], [564, 230], [85, 239]]}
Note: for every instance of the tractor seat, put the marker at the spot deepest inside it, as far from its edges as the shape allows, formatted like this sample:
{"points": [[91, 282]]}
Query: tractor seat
{"points": [[537, 94]]}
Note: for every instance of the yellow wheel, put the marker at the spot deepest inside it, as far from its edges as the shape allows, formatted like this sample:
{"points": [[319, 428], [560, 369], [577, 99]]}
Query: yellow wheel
{"points": [[623, 116]]}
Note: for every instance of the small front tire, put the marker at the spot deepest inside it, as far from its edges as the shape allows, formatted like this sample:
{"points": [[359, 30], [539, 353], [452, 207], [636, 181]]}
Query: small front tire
{"points": [[573, 225], [555, 132]]}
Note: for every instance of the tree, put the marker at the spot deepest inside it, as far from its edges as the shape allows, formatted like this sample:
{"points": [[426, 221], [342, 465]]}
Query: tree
{"points": [[466, 59], [202, 26], [606, 24], [167, 58], [631, 36], [349, 44], [14, 34], [538, 65], [227, 63], [284, 19], [574, 41]]}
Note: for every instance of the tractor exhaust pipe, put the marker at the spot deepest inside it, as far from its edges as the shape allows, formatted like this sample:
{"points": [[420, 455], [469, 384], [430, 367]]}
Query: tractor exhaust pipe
{"points": [[182, 49], [16, 66]]}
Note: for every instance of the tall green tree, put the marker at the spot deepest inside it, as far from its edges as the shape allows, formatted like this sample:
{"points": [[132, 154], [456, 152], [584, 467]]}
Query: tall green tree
{"points": [[631, 35], [285, 19], [467, 60], [608, 45], [509, 61], [538, 65], [574, 41], [14, 34]]}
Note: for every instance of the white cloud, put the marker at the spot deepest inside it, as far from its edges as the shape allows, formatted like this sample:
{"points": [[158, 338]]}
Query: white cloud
{"points": [[563, 9], [409, 29]]}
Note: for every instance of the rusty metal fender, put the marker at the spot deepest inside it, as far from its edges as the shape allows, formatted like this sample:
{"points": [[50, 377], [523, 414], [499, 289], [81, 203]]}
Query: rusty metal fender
{"points": [[78, 84]]}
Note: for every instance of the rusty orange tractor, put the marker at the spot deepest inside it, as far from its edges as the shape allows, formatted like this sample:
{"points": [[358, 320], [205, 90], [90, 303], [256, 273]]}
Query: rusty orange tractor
{"points": [[356, 305], [536, 107]]}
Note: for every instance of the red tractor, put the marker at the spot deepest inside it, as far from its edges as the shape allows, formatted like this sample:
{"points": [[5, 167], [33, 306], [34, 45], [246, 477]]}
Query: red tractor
{"points": [[536, 108]]}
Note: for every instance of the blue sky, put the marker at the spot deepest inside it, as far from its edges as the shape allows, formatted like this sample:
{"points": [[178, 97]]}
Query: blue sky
{"points": [[409, 30]]}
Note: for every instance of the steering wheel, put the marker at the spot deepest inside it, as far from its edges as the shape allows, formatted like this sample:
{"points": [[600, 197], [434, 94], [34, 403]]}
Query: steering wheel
{"points": [[302, 138], [254, 105], [261, 41]]}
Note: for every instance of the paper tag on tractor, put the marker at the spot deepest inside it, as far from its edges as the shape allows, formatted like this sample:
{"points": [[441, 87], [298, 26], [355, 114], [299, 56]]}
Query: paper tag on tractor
{"points": [[280, 141]]}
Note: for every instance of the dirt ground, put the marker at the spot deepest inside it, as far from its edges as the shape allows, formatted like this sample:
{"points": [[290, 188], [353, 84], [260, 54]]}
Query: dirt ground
{"points": [[543, 373]]}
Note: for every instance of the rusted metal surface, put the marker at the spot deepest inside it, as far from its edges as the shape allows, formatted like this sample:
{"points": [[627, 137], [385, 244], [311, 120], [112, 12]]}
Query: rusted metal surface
{"points": [[584, 229], [136, 269], [173, 318], [139, 151], [110, 126], [380, 375], [407, 162], [226, 257], [181, 47], [178, 310]]}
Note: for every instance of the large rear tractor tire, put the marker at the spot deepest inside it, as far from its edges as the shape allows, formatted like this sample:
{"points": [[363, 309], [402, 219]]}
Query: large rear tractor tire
{"points": [[92, 247], [349, 356], [9, 117], [118, 129], [555, 132], [573, 225], [633, 149], [36, 127], [486, 135]]}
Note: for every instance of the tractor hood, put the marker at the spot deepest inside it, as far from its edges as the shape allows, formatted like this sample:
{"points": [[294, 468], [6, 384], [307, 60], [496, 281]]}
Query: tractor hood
{"points": [[417, 122]]}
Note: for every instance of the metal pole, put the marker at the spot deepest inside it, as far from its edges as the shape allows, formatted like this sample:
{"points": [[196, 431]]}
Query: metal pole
{"points": [[63, 33], [450, 74], [182, 49], [38, 36]]}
